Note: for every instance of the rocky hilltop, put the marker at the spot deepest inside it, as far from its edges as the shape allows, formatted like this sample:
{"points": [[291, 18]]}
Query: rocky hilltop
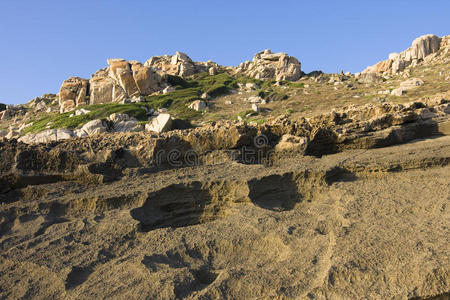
{"points": [[175, 179]]}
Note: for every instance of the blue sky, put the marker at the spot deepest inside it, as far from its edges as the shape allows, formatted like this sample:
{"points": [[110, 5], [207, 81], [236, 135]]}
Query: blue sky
{"points": [[44, 42]]}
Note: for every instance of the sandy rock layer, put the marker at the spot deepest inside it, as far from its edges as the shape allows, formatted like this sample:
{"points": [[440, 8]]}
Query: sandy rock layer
{"points": [[357, 224]]}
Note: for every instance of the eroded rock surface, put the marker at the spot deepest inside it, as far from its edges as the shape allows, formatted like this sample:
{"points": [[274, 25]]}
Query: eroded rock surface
{"points": [[358, 224], [73, 93], [119, 81], [196, 213]]}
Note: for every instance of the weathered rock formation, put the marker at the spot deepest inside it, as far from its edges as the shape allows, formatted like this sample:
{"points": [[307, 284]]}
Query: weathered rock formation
{"points": [[181, 65], [268, 65], [352, 225], [119, 81], [123, 79], [73, 92], [421, 48]]}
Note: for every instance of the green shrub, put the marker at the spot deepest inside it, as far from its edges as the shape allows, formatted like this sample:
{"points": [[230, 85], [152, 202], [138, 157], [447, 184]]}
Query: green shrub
{"points": [[2, 107], [243, 114], [268, 84], [298, 85], [245, 79], [178, 81], [273, 95], [259, 121]]}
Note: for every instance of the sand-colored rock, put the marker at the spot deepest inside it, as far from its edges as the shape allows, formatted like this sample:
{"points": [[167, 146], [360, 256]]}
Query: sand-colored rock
{"points": [[73, 93], [123, 80], [161, 123], [47, 136], [421, 47], [180, 64], [198, 105], [356, 218]]}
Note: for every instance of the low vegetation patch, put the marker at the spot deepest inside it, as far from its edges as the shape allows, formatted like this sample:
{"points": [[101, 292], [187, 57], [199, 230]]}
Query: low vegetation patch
{"points": [[97, 111], [243, 114], [273, 95], [296, 85]]}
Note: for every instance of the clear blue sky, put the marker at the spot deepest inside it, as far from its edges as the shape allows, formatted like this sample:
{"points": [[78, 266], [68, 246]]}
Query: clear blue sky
{"points": [[44, 42]]}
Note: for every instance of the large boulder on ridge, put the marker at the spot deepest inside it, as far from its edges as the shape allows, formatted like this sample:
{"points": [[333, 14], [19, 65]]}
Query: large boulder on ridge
{"points": [[268, 65], [180, 64]]}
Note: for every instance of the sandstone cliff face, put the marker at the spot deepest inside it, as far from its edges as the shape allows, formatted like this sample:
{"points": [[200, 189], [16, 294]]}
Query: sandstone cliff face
{"points": [[268, 65], [421, 47]]}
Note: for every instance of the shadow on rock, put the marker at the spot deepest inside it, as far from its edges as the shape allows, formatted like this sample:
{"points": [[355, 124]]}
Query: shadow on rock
{"points": [[275, 192]]}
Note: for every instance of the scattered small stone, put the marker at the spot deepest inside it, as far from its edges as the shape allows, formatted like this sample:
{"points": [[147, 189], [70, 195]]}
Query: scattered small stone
{"points": [[168, 89], [251, 86], [254, 99], [198, 105], [205, 96], [161, 123]]}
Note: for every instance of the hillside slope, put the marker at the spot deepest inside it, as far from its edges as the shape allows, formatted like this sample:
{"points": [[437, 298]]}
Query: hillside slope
{"points": [[198, 181]]}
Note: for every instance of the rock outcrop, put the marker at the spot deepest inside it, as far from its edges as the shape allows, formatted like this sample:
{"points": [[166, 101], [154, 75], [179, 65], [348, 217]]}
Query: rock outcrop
{"points": [[421, 47], [181, 65], [122, 80], [268, 65], [119, 81], [73, 92]]}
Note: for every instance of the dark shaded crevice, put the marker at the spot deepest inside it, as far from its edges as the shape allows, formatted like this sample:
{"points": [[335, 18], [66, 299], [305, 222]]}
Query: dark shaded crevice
{"points": [[77, 276], [444, 296], [339, 174], [275, 192]]}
